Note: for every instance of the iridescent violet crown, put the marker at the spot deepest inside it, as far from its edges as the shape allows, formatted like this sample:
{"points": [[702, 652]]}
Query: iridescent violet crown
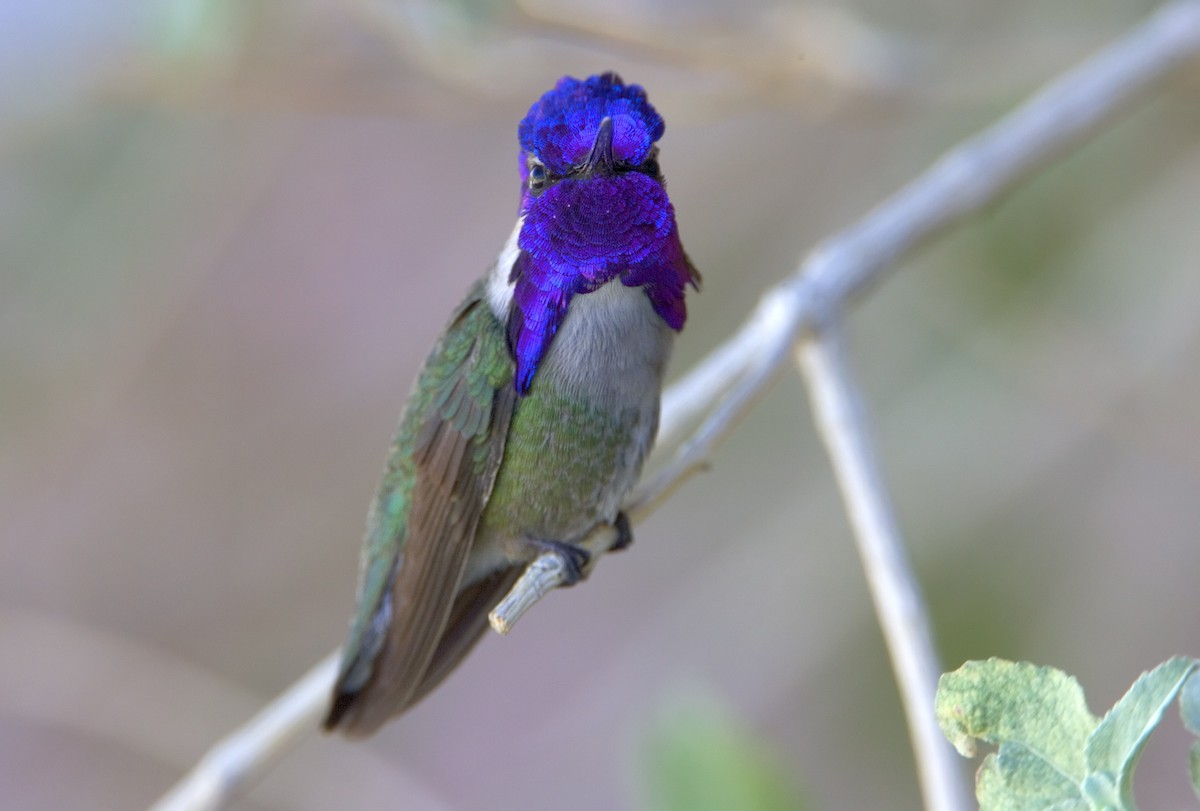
{"points": [[561, 126], [602, 212]]}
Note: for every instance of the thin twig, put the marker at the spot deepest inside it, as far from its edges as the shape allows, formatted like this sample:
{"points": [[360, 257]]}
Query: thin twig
{"points": [[968, 178], [907, 628], [962, 182], [249, 752]]}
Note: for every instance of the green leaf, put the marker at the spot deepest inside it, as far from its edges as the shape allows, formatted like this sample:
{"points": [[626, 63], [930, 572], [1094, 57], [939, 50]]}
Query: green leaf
{"points": [[1015, 779], [1194, 767], [698, 760], [1038, 708], [1039, 719], [1053, 754], [1189, 705], [1189, 710], [1102, 794], [1113, 749]]}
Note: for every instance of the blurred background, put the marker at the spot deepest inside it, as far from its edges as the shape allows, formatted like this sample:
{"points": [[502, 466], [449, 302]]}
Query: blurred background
{"points": [[231, 229]]}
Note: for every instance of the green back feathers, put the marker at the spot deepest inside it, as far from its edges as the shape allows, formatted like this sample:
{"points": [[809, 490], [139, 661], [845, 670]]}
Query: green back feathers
{"points": [[439, 475]]}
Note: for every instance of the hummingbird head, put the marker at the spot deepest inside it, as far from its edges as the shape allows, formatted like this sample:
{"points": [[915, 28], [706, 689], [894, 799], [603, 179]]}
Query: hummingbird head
{"points": [[563, 127], [594, 208]]}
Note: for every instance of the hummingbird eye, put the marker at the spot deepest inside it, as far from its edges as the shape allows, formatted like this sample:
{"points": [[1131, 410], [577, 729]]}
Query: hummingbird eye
{"points": [[650, 165], [537, 175]]}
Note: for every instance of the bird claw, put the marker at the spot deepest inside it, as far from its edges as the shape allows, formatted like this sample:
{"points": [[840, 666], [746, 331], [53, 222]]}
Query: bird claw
{"points": [[624, 533], [574, 559]]}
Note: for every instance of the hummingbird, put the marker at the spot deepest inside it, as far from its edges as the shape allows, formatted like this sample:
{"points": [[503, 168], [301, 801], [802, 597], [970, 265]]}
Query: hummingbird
{"points": [[530, 419]]}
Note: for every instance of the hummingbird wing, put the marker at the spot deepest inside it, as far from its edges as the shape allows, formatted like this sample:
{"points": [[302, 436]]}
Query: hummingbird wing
{"points": [[422, 524], [468, 621]]}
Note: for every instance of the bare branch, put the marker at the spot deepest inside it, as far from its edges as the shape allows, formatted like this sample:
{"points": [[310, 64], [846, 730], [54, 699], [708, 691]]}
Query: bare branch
{"points": [[907, 628], [968, 178], [973, 175], [248, 753]]}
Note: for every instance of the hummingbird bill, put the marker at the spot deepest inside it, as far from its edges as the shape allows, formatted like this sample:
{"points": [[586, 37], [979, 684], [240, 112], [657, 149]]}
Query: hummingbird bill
{"points": [[530, 420]]}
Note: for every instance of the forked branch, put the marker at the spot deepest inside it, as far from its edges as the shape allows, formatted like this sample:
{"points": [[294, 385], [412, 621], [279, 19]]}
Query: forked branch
{"points": [[720, 389]]}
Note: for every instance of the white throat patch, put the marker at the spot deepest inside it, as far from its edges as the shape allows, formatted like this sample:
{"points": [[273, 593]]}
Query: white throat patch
{"points": [[499, 288]]}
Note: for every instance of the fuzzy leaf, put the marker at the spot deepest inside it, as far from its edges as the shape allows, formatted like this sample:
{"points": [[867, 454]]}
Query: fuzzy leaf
{"points": [[1039, 719], [1189, 709], [1015, 779], [1113, 749], [1037, 708], [1194, 767]]}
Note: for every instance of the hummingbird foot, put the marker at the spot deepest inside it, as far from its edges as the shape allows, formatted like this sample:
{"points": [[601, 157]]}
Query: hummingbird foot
{"points": [[624, 533], [575, 559]]}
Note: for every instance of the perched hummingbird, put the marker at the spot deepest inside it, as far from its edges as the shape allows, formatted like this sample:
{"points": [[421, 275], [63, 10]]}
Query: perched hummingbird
{"points": [[531, 418]]}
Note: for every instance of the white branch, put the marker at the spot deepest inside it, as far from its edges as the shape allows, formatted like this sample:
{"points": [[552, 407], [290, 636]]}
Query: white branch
{"points": [[907, 628], [968, 178], [249, 752]]}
